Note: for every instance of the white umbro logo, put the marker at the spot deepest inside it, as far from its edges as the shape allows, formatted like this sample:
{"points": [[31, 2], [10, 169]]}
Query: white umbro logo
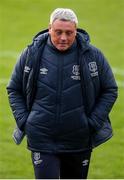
{"points": [[43, 71]]}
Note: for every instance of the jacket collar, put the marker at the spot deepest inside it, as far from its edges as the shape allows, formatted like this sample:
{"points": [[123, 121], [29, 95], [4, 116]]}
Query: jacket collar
{"points": [[82, 37]]}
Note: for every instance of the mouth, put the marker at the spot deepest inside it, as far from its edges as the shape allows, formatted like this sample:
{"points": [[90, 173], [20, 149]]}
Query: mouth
{"points": [[63, 44]]}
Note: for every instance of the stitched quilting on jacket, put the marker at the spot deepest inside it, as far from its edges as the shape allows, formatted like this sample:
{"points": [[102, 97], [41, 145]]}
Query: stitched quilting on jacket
{"points": [[93, 80]]}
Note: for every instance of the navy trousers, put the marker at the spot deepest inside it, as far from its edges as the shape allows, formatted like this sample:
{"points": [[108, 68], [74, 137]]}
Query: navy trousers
{"points": [[61, 166]]}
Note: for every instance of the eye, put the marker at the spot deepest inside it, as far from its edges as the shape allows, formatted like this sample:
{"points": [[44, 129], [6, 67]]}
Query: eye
{"points": [[58, 33], [69, 33]]}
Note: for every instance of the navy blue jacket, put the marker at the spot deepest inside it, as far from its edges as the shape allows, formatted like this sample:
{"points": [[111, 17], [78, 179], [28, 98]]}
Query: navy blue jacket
{"points": [[87, 124]]}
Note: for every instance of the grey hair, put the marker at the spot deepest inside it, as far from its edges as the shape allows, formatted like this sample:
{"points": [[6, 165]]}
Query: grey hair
{"points": [[63, 14]]}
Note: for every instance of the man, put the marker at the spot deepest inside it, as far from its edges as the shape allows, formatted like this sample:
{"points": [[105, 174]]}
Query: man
{"points": [[61, 93]]}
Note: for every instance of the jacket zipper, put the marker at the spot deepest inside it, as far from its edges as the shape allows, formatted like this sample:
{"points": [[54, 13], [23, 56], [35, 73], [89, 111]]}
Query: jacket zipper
{"points": [[59, 89]]}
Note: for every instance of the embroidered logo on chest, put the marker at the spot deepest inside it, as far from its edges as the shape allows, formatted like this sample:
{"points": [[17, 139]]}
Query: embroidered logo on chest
{"points": [[93, 68], [76, 72]]}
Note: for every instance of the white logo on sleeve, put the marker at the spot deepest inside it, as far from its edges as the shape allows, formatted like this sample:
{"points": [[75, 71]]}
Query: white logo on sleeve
{"points": [[27, 69], [76, 72]]}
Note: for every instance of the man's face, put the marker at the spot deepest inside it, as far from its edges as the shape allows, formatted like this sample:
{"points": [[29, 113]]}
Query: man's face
{"points": [[62, 34]]}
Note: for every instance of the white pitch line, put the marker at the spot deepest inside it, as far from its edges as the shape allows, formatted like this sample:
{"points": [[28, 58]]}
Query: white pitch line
{"points": [[118, 71], [15, 54], [4, 81], [8, 54], [120, 84]]}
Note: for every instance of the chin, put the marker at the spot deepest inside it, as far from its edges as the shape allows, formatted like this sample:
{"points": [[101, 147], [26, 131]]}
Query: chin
{"points": [[62, 48]]}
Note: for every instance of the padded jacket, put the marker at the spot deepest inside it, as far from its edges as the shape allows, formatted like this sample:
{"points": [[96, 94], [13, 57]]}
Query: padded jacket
{"points": [[78, 128]]}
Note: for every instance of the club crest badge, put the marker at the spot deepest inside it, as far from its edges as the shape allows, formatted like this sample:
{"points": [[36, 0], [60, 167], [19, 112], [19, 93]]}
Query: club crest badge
{"points": [[76, 72], [93, 68], [36, 156]]}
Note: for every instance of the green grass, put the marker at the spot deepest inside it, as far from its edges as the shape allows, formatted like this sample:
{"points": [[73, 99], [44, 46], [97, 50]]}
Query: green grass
{"points": [[20, 20]]}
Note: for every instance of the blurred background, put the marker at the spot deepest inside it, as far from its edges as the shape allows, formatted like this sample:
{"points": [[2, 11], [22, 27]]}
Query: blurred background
{"points": [[20, 20]]}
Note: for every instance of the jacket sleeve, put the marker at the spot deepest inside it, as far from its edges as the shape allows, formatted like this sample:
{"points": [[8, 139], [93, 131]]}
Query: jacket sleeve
{"points": [[107, 94], [15, 92]]}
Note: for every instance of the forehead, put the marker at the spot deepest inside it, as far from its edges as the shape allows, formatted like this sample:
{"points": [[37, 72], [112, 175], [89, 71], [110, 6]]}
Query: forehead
{"points": [[63, 24]]}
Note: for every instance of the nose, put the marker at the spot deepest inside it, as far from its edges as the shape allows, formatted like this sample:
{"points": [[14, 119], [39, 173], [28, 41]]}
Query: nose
{"points": [[63, 37]]}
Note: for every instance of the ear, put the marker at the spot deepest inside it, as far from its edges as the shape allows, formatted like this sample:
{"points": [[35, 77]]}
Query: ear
{"points": [[49, 28], [75, 32]]}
